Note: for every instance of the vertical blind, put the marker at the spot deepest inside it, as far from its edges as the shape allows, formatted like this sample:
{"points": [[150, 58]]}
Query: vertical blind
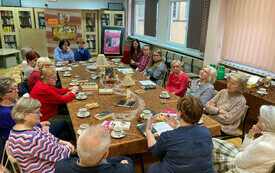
{"points": [[249, 33]]}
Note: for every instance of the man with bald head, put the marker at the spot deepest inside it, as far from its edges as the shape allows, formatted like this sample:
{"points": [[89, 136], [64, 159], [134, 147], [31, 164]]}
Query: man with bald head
{"points": [[92, 149]]}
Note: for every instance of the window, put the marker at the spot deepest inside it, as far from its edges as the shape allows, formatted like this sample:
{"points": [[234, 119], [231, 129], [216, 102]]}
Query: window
{"points": [[178, 22], [146, 17]]}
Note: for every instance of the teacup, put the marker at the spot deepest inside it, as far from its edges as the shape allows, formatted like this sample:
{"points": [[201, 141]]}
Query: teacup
{"points": [[84, 126], [67, 72], [64, 69], [164, 93], [74, 81], [263, 90], [117, 130], [81, 94], [147, 114], [83, 111]]}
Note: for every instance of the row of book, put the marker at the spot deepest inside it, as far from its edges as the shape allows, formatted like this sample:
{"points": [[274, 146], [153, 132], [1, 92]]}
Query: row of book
{"points": [[8, 29], [9, 38], [25, 21], [8, 21], [24, 13], [6, 13], [89, 22], [90, 29], [41, 21], [13, 45]]}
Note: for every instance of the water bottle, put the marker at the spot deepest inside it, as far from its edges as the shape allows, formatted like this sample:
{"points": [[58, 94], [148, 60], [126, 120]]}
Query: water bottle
{"points": [[220, 74]]}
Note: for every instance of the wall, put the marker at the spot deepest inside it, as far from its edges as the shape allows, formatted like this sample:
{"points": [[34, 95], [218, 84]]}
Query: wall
{"points": [[71, 4]]}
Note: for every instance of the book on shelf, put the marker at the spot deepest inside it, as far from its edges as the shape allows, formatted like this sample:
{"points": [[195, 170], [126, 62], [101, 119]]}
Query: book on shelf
{"points": [[142, 129], [124, 103], [89, 86], [104, 115]]}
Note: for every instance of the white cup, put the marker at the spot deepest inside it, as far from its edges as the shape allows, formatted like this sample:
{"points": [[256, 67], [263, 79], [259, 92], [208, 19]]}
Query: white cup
{"points": [[147, 114], [84, 126], [67, 72], [83, 111], [164, 93], [74, 81], [263, 90], [117, 130]]}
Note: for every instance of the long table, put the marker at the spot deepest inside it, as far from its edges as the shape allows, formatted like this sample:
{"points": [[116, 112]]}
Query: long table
{"points": [[134, 141]]}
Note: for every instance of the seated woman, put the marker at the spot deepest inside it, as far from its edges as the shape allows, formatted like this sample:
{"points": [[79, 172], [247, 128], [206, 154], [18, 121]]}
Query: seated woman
{"points": [[50, 97], [156, 68], [177, 80], [146, 57], [35, 149], [254, 155], [135, 54], [187, 148], [23, 52], [81, 54], [42, 62], [228, 106], [32, 58], [63, 52], [203, 87]]}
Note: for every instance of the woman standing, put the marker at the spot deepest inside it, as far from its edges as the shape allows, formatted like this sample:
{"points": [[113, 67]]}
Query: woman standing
{"points": [[135, 54], [177, 80], [156, 68], [228, 105], [203, 87], [63, 52]]}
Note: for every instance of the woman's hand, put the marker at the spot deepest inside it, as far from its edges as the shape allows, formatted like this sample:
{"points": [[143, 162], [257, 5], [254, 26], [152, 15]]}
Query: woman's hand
{"points": [[45, 125], [150, 122], [254, 130], [73, 89], [68, 49], [221, 111], [212, 103], [171, 122], [124, 161], [68, 144]]}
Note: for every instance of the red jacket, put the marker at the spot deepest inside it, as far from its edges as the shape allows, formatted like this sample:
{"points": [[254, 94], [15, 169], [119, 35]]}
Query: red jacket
{"points": [[50, 97], [177, 84]]}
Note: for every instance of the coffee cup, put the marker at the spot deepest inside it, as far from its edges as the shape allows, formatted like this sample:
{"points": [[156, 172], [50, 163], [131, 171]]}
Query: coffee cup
{"points": [[117, 130], [83, 111], [263, 90], [84, 126], [147, 114], [164, 93], [67, 72], [74, 81]]}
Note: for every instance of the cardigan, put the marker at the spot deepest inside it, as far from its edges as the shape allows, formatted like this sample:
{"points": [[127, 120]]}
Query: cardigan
{"points": [[60, 56], [157, 74], [6, 122], [177, 84], [36, 150], [185, 149], [82, 57], [234, 104], [204, 92], [50, 97], [144, 62], [257, 156], [34, 77]]}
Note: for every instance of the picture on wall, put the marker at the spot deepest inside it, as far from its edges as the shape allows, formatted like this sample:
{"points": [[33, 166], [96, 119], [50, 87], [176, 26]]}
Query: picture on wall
{"points": [[64, 31]]}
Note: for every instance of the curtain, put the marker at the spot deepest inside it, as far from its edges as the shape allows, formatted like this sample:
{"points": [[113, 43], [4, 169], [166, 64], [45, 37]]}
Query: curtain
{"points": [[249, 33]]}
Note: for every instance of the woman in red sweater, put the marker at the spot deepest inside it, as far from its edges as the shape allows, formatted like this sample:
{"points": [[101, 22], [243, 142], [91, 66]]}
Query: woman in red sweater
{"points": [[50, 97], [177, 80]]}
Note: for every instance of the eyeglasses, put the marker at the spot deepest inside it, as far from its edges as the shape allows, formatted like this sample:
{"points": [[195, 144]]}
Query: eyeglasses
{"points": [[232, 83], [12, 90], [156, 55]]}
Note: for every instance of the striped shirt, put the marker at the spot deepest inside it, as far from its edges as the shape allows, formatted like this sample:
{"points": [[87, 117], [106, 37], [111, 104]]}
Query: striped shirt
{"points": [[36, 150]]}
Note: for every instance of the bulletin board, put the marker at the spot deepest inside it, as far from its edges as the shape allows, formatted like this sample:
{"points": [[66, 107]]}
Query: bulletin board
{"points": [[112, 41]]}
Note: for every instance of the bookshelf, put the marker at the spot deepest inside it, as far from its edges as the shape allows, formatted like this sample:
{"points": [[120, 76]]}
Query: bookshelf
{"points": [[25, 18], [39, 18], [117, 18], [90, 30], [7, 20]]}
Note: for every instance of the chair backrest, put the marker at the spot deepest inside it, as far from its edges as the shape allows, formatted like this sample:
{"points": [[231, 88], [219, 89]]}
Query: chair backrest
{"points": [[170, 55], [164, 54], [244, 117], [14, 163], [177, 56], [197, 65], [187, 64]]}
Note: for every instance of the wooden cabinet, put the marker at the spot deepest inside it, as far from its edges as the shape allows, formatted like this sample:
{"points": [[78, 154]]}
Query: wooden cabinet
{"points": [[90, 30], [25, 18], [39, 18]]}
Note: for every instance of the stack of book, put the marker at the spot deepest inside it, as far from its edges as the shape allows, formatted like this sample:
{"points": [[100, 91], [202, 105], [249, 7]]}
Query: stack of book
{"points": [[89, 86]]}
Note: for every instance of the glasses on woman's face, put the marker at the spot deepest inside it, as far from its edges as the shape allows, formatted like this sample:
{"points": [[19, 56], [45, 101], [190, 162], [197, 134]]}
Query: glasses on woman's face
{"points": [[232, 83], [12, 90], [157, 55]]}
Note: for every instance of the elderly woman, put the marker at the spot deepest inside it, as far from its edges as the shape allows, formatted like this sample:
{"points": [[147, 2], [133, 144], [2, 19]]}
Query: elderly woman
{"points": [[187, 148], [63, 52], [35, 149], [50, 97], [177, 80], [254, 155], [23, 52], [228, 105], [42, 62], [32, 58], [203, 88], [156, 68]]}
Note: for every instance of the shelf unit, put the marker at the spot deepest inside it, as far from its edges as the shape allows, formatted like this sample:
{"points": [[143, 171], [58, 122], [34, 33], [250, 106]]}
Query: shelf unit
{"points": [[90, 30], [25, 18], [39, 18]]}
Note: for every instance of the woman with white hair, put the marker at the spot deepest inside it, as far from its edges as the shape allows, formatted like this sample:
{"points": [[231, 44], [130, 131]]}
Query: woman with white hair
{"points": [[228, 106], [255, 155], [42, 62], [35, 149], [177, 80], [203, 87]]}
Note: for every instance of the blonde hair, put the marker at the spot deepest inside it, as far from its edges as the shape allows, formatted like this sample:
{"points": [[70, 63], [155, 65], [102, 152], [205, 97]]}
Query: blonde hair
{"points": [[212, 75], [177, 61], [24, 105], [41, 61], [80, 40], [267, 114], [46, 73], [240, 79], [154, 64]]}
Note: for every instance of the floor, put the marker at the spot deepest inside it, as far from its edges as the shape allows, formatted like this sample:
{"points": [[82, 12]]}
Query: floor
{"points": [[148, 159]]}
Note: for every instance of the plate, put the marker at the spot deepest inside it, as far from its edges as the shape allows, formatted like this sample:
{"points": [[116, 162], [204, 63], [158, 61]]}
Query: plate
{"points": [[200, 121], [91, 60], [118, 136], [74, 84], [91, 105], [81, 98], [66, 75], [164, 97], [142, 116], [81, 116], [262, 92]]}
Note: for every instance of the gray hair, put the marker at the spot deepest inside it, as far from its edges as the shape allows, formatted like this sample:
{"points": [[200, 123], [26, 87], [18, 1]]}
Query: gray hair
{"points": [[92, 144], [41, 61], [24, 106], [24, 51], [212, 75], [240, 79], [267, 114], [5, 84], [177, 61]]}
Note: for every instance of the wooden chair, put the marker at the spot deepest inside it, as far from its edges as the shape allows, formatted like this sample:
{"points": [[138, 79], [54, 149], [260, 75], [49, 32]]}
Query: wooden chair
{"points": [[14, 163], [243, 121]]}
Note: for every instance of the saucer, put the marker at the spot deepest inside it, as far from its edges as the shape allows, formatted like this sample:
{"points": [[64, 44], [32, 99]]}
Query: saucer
{"points": [[142, 116], [118, 136], [200, 121], [164, 97], [262, 92], [66, 75], [81, 116], [74, 84], [91, 60], [80, 98]]}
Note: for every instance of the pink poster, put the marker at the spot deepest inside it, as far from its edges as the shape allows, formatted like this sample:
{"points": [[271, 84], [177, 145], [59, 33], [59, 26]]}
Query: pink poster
{"points": [[112, 41]]}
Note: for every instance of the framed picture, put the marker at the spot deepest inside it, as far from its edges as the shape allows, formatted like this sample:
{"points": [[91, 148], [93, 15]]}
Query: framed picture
{"points": [[112, 40]]}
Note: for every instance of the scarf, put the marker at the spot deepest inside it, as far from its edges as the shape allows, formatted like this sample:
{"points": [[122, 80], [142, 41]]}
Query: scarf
{"points": [[81, 50]]}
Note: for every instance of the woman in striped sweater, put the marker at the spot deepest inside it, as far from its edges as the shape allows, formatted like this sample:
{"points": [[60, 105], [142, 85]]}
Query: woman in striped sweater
{"points": [[35, 149]]}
